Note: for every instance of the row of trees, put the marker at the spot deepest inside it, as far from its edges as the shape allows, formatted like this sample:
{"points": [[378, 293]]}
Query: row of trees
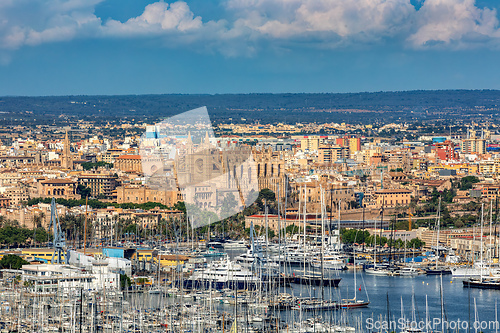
{"points": [[13, 235], [351, 236], [96, 204], [11, 261], [89, 165]]}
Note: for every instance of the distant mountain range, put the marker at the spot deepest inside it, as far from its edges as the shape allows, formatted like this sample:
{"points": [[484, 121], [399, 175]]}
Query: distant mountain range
{"points": [[350, 107]]}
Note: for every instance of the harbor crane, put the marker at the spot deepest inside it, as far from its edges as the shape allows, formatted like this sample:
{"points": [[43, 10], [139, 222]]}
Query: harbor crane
{"points": [[59, 243]]}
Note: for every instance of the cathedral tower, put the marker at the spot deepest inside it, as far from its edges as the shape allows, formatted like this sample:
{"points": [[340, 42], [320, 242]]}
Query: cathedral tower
{"points": [[67, 160]]}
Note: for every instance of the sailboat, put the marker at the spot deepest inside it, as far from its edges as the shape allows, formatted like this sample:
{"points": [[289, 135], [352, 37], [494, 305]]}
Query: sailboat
{"points": [[484, 281], [310, 277], [380, 270], [354, 302], [437, 269], [318, 304]]}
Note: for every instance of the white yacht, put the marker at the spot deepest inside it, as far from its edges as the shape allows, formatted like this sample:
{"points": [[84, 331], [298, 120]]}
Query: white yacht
{"points": [[249, 260], [409, 271], [235, 245], [330, 262], [222, 274], [479, 269], [377, 271]]}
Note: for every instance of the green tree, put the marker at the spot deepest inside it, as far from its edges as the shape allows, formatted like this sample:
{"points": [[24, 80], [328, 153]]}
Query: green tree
{"points": [[180, 205], [41, 235], [89, 165], [125, 281], [448, 195], [83, 190], [38, 219], [292, 229], [350, 236], [229, 205], [266, 194], [12, 261], [467, 182], [262, 231], [415, 243]]}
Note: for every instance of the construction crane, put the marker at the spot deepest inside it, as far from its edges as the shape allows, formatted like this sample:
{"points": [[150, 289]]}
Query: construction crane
{"points": [[59, 243], [409, 218]]}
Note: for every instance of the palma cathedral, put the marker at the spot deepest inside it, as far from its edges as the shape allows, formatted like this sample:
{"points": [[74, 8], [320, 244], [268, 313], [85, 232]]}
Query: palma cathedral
{"points": [[206, 175]]}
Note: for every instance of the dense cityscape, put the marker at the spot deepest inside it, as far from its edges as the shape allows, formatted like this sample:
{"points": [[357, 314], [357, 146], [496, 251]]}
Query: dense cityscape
{"points": [[249, 166], [84, 221]]}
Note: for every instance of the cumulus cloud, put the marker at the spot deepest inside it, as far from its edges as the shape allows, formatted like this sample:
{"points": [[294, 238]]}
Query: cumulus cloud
{"points": [[432, 22], [248, 24], [159, 17], [32, 22], [454, 22], [362, 19]]}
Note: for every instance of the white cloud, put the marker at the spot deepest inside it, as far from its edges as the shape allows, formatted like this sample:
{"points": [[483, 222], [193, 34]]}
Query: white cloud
{"points": [[344, 18], [32, 22], [454, 22], [249, 24], [450, 22], [24, 22], [159, 17]]}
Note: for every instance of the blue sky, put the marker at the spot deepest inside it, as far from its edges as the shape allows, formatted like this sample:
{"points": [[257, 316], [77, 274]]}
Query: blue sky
{"points": [[61, 47]]}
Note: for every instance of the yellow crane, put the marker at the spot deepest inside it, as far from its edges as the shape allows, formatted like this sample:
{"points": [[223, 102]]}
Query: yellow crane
{"points": [[409, 220]]}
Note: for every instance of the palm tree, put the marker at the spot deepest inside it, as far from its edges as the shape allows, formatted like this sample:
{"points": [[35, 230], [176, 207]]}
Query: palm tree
{"points": [[39, 219], [113, 227], [107, 229]]}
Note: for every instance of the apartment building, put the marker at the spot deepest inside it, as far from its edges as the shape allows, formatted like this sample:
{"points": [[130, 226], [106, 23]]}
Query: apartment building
{"points": [[99, 183], [392, 197]]}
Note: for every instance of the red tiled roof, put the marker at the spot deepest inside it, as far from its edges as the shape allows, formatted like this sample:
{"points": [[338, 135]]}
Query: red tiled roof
{"points": [[129, 157], [57, 181], [393, 190]]}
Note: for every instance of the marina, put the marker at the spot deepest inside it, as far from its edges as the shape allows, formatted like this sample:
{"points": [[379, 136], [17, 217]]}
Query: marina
{"points": [[195, 233], [175, 310], [250, 286]]}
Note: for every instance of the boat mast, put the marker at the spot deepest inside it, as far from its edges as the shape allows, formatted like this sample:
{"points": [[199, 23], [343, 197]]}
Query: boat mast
{"points": [[496, 223], [496, 317], [491, 224], [438, 226], [331, 211], [305, 213], [481, 239], [279, 232], [322, 243], [355, 283], [85, 226], [339, 245]]}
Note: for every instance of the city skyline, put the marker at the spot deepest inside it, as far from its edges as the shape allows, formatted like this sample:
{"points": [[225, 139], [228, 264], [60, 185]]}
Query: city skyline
{"points": [[147, 47]]}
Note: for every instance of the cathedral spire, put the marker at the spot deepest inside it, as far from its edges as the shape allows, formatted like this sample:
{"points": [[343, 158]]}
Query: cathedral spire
{"points": [[66, 161], [189, 144], [207, 140]]}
